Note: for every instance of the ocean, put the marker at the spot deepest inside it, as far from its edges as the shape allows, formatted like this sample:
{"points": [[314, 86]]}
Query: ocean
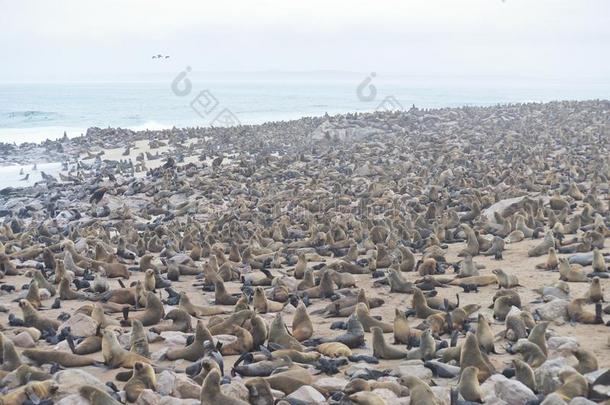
{"points": [[33, 112]]}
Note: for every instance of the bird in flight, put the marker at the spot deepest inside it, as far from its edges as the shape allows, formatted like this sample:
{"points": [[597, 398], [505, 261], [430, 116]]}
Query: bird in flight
{"points": [[159, 56]]}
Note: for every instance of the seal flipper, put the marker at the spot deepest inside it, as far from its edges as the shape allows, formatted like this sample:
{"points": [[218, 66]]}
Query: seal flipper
{"points": [[71, 344], [219, 360]]}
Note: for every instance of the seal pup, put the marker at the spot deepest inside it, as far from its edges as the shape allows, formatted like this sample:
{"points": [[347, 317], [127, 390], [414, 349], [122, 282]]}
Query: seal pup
{"points": [[552, 260], [505, 280]]}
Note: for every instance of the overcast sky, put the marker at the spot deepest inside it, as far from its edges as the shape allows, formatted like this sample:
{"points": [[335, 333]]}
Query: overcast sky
{"points": [[67, 40]]}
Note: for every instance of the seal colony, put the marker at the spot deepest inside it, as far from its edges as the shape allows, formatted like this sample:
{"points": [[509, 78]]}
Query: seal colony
{"points": [[457, 255]]}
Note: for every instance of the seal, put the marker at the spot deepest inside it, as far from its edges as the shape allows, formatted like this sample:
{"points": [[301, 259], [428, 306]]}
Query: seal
{"points": [[382, 350], [525, 374], [505, 280], [35, 389], [95, 396], [577, 312], [279, 334], [181, 322], [302, 327], [10, 358], [197, 310], [115, 356], [143, 378], [195, 350], [530, 352], [538, 336], [420, 392], [211, 394], [470, 355], [42, 356], [263, 305], [138, 342], [368, 322], [259, 391], [469, 385], [31, 317], [153, 313]]}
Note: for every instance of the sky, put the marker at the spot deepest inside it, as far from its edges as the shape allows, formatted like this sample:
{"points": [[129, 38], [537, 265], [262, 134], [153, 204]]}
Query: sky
{"points": [[82, 40]]}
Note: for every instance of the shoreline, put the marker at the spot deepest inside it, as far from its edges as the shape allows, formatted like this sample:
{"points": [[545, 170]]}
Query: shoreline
{"points": [[345, 198]]}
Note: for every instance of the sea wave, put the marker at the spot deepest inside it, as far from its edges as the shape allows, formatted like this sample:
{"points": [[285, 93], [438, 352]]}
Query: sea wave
{"points": [[37, 134], [31, 115]]}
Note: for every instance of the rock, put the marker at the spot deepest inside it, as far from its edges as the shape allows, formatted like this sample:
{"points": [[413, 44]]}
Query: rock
{"points": [[513, 311], [512, 391], [174, 338], [177, 385], [307, 394], [581, 401], [602, 390], [277, 394], [387, 395], [24, 339], [73, 399], [69, 381], [331, 383], [80, 325], [547, 374], [289, 309], [149, 397], [493, 400], [159, 354], [442, 393], [165, 382], [186, 388], [553, 311], [124, 339], [236, 389], [553, 399], [225, 339], [594, 375], [562, 343], [413, 367], [356, 368], [44, 294]]}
